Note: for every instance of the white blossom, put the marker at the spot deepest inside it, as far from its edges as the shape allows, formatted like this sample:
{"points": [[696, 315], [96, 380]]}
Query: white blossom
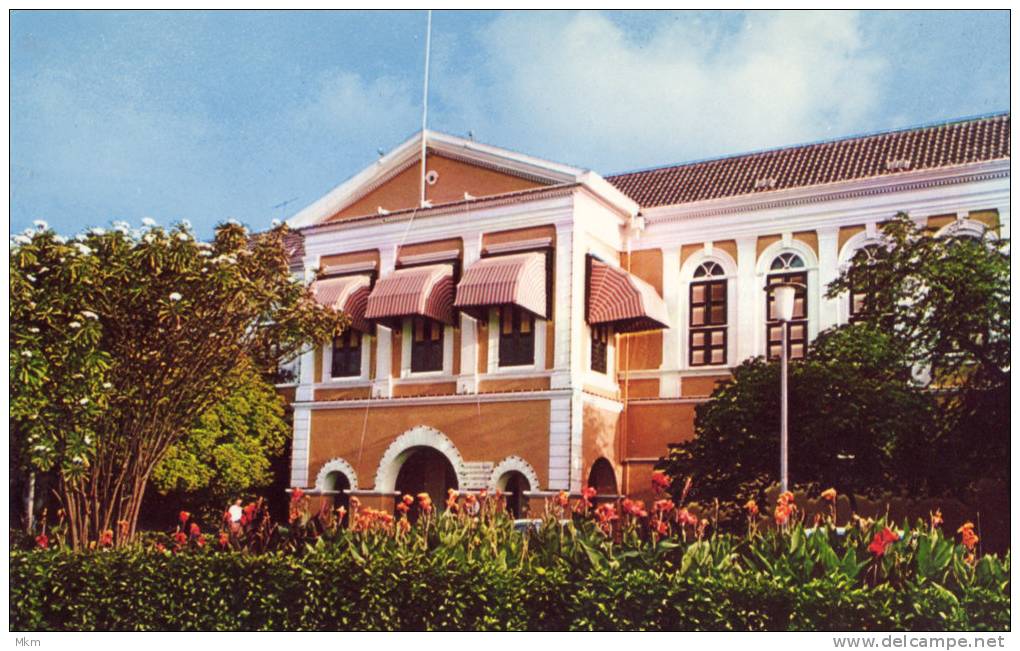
{"points": [[233, 222], [33, 329], [30, 277], [83, 401], [98, 231], [21, 239], [205, 253], [123, 227], [60, 239], [89, 315], [107, 385], [26, 353], [174, 296], [183, 237], [275, 223], [148, 221], [74, 325], [41, 225], [83, 249], [204, 245], [149, 238], [186, 224]]}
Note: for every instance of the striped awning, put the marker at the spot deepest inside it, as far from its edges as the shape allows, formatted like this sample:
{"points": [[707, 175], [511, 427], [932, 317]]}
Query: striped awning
{"points": [[517, 279], [623, 300], [413, 291], [348, 294]]}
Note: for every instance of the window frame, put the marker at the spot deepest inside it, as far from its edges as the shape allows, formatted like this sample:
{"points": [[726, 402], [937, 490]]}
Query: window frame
{"points": [[709, 326], [800, 276], [353, 355], [515, 348], [428, 350], [601, 337]]}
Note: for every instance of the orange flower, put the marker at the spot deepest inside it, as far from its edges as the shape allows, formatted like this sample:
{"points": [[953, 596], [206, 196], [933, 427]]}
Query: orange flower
{"points": [[340, 512], [296, 495], [183, 517], [563, 499], [785, 497], [685, 517], [408, 500], [752, 508], [404, 525], [106, 538], [355, 503], [402, 507], [829, 494], [195, 530], [661, 527], [782, 513], [224, 540], [936, 518], [635, 508], [970, 539], [663, 506], [425, 502]]}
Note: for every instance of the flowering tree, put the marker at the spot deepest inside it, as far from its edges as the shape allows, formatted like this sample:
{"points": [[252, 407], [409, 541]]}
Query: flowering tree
{"points": [[120, 339]]}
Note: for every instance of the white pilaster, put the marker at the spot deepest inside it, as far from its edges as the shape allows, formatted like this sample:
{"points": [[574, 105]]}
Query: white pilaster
{"points": [[746, 333], [1004, 222], [576, 440], [564, 288], [559, 443], [467, 381], [828, 270], [669, 382], [299, 450]]}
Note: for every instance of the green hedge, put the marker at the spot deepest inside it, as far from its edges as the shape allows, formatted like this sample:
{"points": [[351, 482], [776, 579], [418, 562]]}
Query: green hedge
{"points": [[335, 589]]}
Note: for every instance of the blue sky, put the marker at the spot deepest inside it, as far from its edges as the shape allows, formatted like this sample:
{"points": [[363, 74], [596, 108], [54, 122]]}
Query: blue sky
{"points": [[213, 115]]}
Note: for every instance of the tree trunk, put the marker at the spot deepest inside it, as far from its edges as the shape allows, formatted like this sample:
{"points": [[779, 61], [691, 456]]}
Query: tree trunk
{"points": [[30, 504]]}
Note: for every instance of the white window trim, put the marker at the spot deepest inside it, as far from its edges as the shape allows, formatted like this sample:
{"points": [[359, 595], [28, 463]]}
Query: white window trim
{"points": [[405, 354], [327, 364], [846, 256], [607, 380], [691, 265], [807, 254], [538, 363]]}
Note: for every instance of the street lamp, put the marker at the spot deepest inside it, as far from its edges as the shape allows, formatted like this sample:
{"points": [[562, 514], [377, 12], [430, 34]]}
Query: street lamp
{"points": [[783, 299]]}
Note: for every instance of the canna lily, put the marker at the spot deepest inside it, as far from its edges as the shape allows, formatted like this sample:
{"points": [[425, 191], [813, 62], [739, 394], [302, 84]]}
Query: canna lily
{"points": [[408, 500], [752, 508], [195, 530], [685, 517], [663, 506], [184, 516], [970, 539], [881, 541], [106, 538], [660, 480], [224, 540], [563, 499], [829, 494], [42, 541], [296, 495]]}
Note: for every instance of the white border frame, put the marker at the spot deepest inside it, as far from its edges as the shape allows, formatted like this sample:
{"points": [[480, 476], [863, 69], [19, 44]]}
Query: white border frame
{"points": [[327, 363], [341, 466], [538, 362], [729, 265], [398, 451], [786, 244]]}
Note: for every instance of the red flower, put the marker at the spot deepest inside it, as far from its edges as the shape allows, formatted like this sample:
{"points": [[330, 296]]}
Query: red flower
{"points": [[752, 508], [296, 495], [401, 506], [829, 494], [195, 529], [180, 538], [563, 499], [970, 539], [660, 480], [42, 541], [200, 541], [160, 548], [635, 508], [224, 540], [106, 538], [661, 527], [663, 506], [183, 517], [685, 517], [881, 541], [408, 500]]}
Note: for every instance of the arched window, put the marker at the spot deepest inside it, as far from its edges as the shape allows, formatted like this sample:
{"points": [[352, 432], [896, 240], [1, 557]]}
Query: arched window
{"points": [[707, 318], [862, 292], [788, 268]]}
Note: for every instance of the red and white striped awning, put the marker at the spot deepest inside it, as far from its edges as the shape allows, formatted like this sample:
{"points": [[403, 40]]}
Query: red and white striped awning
{"points": [[413, 291], [623, 300], [348, 294], [517, 279]]}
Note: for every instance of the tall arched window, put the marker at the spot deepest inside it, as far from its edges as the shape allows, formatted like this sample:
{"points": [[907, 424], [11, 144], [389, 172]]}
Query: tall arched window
{"points": [[707, 316], [788, 268], [862, 292]]}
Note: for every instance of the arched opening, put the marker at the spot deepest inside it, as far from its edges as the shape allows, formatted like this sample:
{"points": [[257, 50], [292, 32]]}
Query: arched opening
{"points": [[602, 477], [513, 484], [337, 481], [426, 470]]}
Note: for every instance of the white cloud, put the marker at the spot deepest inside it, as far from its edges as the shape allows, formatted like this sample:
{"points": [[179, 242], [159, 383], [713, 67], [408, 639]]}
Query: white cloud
{"points": [[688, 89]]}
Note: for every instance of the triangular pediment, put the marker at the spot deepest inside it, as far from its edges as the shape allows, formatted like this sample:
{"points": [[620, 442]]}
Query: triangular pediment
{"points": [[457, 168]]}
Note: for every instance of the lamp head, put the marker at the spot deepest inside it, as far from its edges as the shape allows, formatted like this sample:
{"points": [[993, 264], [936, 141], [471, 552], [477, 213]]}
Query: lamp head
{"points": [[783, 299]]}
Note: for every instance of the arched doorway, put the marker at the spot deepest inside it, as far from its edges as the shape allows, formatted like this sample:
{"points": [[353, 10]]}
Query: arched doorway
{"points": [[514, 484], [426, 470], [602, 477], [337, 481]]}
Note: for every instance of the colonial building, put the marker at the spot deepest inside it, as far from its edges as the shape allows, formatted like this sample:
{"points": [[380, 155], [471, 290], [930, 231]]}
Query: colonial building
{"points": [[536, 327]]}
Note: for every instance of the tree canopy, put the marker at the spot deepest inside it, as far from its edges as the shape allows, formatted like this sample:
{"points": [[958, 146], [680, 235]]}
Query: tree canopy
{"points": [[120, 339], [892, 403]]}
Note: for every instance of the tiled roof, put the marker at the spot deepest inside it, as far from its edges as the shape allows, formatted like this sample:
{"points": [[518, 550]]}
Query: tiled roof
{"points": [[941, 145], [294, 245]]}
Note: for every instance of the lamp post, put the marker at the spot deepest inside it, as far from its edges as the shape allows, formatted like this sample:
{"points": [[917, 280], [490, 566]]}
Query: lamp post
{"points": [[783, 299]]}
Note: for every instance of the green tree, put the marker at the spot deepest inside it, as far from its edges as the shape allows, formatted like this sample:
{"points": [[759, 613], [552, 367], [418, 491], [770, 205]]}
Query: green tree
{"points": [[121, 339], [854, 417], [229, 450], [913, 398]]}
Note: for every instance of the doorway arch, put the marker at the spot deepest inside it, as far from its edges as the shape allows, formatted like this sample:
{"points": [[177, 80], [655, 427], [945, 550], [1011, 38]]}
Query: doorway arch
{"points": [[602, 477], [426, 470], [405, 446]]}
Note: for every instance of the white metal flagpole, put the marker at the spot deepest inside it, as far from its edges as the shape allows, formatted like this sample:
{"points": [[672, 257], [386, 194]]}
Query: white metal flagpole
{"points": [[425, 105]]}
